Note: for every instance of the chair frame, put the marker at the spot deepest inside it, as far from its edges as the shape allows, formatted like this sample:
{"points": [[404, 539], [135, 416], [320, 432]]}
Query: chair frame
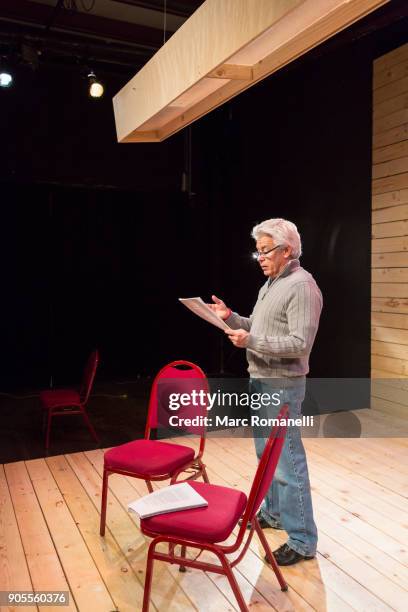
{"points": [[80, 407], [218, 549], [195, 466]]}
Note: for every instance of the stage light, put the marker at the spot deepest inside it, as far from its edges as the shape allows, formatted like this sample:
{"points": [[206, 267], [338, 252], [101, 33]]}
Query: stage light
{"points": [[96, 89], [6, 72], [6, 79]]}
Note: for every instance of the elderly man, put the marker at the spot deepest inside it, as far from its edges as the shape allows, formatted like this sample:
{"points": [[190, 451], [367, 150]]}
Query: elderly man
{"points": [[278, 337]]}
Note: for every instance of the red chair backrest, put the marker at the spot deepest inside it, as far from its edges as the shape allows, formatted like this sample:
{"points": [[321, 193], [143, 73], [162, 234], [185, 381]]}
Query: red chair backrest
{"points": [[89, 376], [267, 465], [179, 381]]}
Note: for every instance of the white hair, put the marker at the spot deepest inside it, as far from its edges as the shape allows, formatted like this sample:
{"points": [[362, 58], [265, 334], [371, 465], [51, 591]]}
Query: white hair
{"points": [[282, 231]]}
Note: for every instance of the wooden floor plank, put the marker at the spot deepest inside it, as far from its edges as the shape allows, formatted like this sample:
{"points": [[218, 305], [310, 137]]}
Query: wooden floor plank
{"points": [[261, 575], [344, 499], [396, 451], [124, 529], [128, 491], [389, 501], [350, 497], [383, 587], [401, 443], [42, 559], [395, 465], [305, 578], [270, 592], [377, 425], [360, 496], [398, 481], [346, 559], [374, 496], [252, 569], [320, 580], [83, 576], [371, 452], [366, 498], [366, 464], [14, 574], [344, 514], [192, 584], [352, 468], [121, 582], [396, 571], [262, 572], [369, 533]]}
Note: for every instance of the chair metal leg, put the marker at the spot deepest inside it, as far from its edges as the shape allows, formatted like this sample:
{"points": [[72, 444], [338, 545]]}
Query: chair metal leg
{"points": [[104, 501], [233, 582], [172, 550], [204, 474], [90, 426], [182, 568], [270, 555], [149, 576]]}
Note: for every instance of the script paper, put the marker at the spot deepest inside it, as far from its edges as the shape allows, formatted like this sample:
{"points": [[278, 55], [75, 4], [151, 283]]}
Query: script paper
{"points": [[201, 309], [170, 499]]}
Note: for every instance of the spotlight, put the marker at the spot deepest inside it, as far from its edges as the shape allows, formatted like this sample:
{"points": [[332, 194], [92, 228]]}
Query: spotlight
{"points": [[6, 73], [95, 89], [6, 79]]}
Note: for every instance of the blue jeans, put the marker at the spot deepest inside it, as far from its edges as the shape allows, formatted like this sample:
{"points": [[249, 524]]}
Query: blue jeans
{"points": [[288, 502]]}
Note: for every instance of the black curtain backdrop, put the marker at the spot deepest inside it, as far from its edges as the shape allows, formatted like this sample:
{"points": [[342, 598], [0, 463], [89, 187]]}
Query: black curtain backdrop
{"points": [[99, 241]]}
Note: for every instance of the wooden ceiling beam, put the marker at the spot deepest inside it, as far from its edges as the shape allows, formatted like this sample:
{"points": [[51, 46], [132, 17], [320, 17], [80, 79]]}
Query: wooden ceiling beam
{"points": [[184, 80], [232, 71]]}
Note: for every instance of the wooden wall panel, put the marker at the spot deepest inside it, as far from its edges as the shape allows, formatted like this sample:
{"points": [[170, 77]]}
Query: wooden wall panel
{"points": [[392, 198], [389, 305], [389, 295]]}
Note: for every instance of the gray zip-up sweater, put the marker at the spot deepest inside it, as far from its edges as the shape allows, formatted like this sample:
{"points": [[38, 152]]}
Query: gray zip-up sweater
{"points": [[283, 324]]}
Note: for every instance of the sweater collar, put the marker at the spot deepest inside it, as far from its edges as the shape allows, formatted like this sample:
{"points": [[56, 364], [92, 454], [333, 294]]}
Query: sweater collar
{"points": [[291, 266]]}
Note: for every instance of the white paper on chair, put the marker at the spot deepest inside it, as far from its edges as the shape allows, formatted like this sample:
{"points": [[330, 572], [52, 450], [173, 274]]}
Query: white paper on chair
{"points": [[201, 309], [170, 499]]}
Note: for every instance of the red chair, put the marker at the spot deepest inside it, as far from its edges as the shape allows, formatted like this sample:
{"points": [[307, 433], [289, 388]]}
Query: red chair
{"points": [[204, 528], [63, 402], [153, 460]]}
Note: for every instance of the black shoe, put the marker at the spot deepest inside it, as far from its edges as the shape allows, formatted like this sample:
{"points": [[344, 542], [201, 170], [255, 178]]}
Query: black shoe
{"points": [[262, 523], [285, 555]]}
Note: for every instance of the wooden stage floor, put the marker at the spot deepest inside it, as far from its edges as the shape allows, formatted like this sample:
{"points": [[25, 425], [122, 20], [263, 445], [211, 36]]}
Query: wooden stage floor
{"points": [[49, 520]]}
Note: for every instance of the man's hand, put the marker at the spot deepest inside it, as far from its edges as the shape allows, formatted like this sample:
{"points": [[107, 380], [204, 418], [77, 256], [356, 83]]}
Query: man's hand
{"points": [[238, 337], [220, 308]]}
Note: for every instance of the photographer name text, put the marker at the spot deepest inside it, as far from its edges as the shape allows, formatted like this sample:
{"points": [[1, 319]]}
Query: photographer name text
{"points": [[225, 421]]}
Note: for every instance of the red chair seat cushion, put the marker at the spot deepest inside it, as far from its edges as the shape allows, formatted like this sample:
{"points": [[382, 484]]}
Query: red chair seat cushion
{"points": [[213, 523], [60, 397], [148, 457]]}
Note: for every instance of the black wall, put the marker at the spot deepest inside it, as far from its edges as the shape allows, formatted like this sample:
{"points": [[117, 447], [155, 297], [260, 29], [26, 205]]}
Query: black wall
{"points": [[98, 240]]}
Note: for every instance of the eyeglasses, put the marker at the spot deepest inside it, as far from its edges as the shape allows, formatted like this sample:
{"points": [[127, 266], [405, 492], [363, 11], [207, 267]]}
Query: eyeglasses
{"points": [[257, 255]]}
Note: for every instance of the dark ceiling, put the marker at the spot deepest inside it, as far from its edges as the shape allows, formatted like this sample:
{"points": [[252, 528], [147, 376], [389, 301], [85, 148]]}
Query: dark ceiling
{"points": [[173, 7], [115, 35], [120, 36]]}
